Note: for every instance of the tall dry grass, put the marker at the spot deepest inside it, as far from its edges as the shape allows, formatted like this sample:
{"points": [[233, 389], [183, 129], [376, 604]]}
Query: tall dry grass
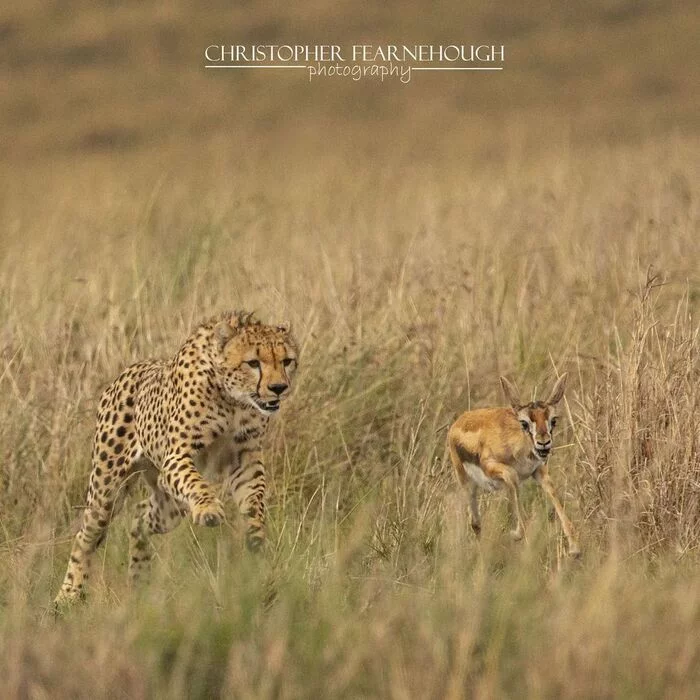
{"points": [[411, 289]]}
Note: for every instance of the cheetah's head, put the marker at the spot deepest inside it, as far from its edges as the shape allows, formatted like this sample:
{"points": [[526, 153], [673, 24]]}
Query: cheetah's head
{"points": [[256, 361]]}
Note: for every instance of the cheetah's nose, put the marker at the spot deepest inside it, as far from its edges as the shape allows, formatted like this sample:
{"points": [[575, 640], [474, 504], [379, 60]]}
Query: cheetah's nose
{"points": [[277, 388]]}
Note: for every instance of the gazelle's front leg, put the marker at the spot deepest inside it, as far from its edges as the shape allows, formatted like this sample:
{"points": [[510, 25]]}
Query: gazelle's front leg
{"points": [[509, 477], [180, 479], [542, 478]]}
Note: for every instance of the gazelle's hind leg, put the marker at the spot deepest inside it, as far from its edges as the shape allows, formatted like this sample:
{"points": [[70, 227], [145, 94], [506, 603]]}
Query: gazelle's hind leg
{"points": [[464, 479], [475, 517]]}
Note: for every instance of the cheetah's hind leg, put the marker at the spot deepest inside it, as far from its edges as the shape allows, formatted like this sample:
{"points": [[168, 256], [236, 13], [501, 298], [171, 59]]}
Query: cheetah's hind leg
{"points": [[105, 498]]}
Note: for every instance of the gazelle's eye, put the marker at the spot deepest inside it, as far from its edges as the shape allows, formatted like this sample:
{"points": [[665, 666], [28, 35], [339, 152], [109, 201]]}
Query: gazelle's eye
{"points": [[553, 422], [287, 361], [253, 363], [525, 425]]}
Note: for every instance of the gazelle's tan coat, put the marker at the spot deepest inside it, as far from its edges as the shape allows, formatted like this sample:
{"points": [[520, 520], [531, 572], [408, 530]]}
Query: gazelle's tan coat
{"points": [[492, 448]]}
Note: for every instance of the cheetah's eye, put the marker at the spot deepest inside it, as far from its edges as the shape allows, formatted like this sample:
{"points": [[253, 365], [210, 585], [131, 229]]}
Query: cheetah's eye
{"points": [[287, 361], [253, 363], [525, 425]]}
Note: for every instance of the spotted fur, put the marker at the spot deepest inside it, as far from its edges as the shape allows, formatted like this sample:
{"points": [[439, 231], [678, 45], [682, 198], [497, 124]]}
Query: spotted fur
{"points": [[204, 412]]}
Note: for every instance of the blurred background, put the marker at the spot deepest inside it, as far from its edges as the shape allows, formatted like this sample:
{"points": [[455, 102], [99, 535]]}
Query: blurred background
{"points": [[84, 80]]}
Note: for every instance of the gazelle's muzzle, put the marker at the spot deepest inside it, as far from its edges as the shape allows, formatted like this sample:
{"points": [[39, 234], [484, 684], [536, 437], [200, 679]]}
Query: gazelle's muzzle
{"points": [[543, 447]]}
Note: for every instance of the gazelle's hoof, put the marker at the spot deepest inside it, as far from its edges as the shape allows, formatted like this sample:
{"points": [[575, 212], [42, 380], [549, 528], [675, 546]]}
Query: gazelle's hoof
{"points": [[516, 535], [575, 552]]}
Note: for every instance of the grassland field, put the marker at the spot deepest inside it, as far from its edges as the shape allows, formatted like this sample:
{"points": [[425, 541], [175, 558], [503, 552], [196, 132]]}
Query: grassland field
{"points": [[423, 240]]}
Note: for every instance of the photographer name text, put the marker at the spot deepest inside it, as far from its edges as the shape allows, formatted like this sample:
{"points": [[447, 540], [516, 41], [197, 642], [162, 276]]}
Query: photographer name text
{"points": [[381, 62]]}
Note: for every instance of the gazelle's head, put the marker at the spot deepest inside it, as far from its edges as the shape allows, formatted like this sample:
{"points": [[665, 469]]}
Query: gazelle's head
{"points": [[538, 418]]}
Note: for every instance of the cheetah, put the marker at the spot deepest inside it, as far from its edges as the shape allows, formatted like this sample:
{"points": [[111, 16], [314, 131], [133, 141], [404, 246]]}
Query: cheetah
{"points": [[205, 411]]}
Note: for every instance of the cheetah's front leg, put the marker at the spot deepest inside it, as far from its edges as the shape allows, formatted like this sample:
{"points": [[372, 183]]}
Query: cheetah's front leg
{"points": [[180, 479], [247, 486]]}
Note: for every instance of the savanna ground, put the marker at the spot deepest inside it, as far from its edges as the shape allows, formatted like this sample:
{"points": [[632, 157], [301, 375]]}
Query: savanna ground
{"points": [[422, 240]]}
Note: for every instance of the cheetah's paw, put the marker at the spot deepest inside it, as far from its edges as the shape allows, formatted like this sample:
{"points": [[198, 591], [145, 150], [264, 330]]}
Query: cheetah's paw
{"points": [[209, 513]]}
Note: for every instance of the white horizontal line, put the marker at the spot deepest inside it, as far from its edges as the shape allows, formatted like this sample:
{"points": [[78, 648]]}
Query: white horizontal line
{"points": [[470, 68], [231, 66], [411, 67]]}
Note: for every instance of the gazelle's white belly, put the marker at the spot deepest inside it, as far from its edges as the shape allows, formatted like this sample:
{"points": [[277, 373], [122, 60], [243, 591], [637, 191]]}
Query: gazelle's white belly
{"points": [[524, 469], [476, 474]]}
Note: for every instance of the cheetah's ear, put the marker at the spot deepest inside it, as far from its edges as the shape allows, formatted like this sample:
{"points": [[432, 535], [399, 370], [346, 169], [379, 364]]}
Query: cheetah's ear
{"points": [[223, 333], [285, 327]]}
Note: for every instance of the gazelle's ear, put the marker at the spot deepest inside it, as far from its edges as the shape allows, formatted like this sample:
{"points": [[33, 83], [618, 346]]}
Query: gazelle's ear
{"points": [[511, 392], [223, 332], [558, 390]]}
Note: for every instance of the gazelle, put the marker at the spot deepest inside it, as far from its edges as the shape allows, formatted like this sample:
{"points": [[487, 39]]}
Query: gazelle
{"points": [[495, 447]]}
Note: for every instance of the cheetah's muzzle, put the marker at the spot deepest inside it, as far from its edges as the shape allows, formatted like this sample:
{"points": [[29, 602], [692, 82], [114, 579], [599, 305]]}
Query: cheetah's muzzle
{"points": [[268, 406]]}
